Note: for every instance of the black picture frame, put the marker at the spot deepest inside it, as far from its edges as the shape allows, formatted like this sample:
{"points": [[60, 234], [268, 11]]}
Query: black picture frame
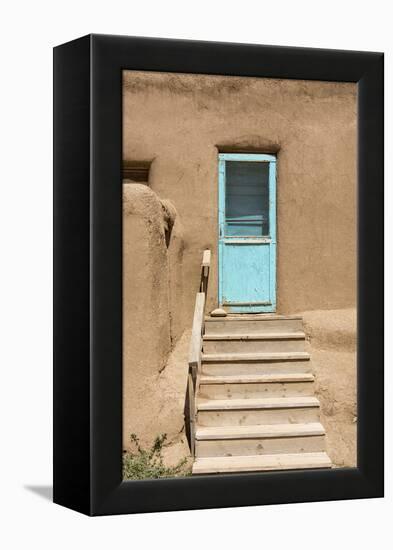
{"points": [[88, 275]]}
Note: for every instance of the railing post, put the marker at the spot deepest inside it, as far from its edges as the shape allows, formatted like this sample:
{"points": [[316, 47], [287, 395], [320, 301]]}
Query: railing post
{"points": [[205, 271], [191, 404]]}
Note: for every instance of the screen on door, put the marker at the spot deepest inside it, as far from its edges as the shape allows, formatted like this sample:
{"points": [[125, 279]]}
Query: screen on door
{"points": [[247, 199]]}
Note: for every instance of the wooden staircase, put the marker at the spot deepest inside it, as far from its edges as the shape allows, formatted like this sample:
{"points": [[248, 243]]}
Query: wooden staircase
{"points": [[255, 407]]}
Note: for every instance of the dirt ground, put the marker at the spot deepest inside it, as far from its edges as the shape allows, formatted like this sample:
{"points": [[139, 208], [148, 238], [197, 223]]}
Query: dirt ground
{"points": [[331, 341]]}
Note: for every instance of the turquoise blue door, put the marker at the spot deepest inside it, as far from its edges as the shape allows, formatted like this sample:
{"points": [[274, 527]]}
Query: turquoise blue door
{"points": [[247, 232]]}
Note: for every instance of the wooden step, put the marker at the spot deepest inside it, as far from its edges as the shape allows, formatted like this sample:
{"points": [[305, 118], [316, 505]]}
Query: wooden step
{"points": [[268, 342], [258, 378], [232, 464], [266, 431], [257, 440], [248, 324], [250, 368], [254, 357], [259, 385], [255, 363], [262, 446], [262, 336], [250, 411], [262, 403], [254, 317]]}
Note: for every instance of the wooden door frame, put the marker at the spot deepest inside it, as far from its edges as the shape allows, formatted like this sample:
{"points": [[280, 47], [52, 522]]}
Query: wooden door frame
{"points": [[248, 157]]}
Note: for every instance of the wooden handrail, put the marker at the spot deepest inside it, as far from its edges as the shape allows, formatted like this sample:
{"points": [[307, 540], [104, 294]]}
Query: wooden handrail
{"points": [[194, 355], [195, 351], [205, 271]]}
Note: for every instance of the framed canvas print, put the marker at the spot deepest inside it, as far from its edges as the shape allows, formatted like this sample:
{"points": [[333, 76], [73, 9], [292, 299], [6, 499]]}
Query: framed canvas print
{"points": [[218, 275]]}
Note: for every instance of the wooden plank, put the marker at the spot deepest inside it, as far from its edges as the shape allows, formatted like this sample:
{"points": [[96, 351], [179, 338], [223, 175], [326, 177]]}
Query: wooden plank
{"points": [[206, 259], [292, 356], [248, 157], [191, 404], [267, 430], [247, 240], [241, 417], [262, 403], [273, 230], [261, 336], [194, 356], [253, 390], [236, 326], [253, 345], [279, 378], [259, 446], [229, 464], [255, 317]]}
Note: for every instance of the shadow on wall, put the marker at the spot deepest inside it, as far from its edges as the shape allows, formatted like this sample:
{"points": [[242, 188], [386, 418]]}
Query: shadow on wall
{"points": [[154, 369]]}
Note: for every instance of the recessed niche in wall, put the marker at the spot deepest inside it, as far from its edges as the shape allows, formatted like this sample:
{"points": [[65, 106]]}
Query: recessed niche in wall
{"points": [[136, 171]]}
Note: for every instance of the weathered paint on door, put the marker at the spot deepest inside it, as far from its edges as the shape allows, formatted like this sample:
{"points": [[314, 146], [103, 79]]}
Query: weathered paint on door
{"points": [[247, 232]]}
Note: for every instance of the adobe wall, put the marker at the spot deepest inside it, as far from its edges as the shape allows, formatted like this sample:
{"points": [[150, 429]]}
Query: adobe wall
{"points": [[155, 358], [181, 122]]}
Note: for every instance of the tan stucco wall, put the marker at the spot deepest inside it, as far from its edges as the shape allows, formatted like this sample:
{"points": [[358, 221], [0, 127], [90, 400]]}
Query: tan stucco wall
{"points": [[181, 122], [154, 350]]}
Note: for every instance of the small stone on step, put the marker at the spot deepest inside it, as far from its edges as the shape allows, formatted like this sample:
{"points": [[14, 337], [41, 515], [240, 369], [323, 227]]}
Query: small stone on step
{"points": [[219, 312]]}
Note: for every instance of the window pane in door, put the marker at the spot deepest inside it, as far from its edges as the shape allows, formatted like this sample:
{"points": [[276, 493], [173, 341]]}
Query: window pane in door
{"points": [[246, 199]]}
